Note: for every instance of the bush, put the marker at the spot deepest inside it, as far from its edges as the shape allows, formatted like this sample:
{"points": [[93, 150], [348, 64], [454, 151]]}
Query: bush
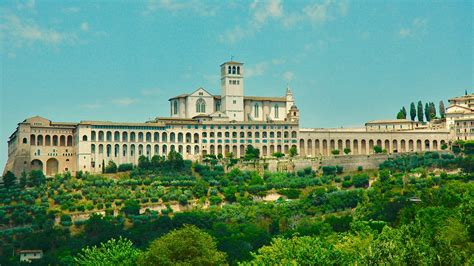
{"points": [[215, 200], [111, 167], [361, 180], [125, 167], [347, 184], [335, 152], [347, 151], [360, 168], [378, 149]]}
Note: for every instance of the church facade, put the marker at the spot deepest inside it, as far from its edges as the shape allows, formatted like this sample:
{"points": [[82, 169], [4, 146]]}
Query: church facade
{"points": [[201, 123]]}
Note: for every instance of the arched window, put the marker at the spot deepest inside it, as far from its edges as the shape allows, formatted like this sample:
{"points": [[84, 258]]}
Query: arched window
{"points": [[200, 106], [256, 111], [84, 138], [276, 111], [25, 141], [238, 70], [229, 71], [233, 70]]}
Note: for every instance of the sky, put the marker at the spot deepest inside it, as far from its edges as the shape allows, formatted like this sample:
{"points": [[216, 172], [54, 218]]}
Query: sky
{"points": [[346, 62]]}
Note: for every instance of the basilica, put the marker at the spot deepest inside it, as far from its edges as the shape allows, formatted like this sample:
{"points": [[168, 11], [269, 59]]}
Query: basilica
{"points": [[201, 123]]}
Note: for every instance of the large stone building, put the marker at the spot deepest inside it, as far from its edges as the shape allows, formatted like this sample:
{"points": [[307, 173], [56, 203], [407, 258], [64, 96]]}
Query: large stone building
{"points": [[201, 123]]}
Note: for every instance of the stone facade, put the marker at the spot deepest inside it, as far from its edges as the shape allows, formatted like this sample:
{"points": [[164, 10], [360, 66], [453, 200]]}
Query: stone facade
{"points": [[201, 123]]}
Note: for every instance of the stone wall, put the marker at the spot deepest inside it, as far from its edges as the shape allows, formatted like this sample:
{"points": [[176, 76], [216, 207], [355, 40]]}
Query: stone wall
{"points": [[349, 162]]}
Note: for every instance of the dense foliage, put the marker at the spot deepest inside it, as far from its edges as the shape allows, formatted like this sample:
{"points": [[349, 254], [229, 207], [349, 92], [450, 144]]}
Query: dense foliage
{"points": [[416, 208]]}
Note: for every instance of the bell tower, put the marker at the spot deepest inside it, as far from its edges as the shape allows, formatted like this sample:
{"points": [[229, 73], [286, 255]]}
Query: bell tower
{"points": [[232, 90]]}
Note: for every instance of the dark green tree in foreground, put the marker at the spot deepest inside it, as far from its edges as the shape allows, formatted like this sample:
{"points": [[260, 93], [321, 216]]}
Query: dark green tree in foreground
{"points": [[293, 151], [420, 111], [186, 246], [251, 153], [427, 112], [112, 252], [412, 111], [9, 179]]}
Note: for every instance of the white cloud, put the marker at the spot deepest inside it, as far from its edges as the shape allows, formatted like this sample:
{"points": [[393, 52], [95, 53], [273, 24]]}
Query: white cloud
{"points": [[195, 6], [262, 12], [417, 27], [124, 101], [21, 31], [288, 76], [257, 70], [85, 26]]}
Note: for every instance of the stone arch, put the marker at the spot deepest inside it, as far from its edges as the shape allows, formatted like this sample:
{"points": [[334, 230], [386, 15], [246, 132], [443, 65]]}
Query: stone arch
{"points": [[101, 149], [279, 148], [164, 149], [264, 150], [325, 147], [418, 145], [310, 147], [39, 140], [69, 141], [371, 146], [109, 150], [272, 149], [226, 149], [93, 148], [47, 140], [387, 145], [124, 150], [84, 138], [427, 146], [212, 149], [196, 137], [109, 136], [355, 150], [133, 136], [140, 136], [302, 149], [101, 135], [116, 136], [188, 138], [394, 146], [32, 139], [55, 140], [156, 149], [219, 149], [172, 137], [435, 145], [363, 147], [317, 149], [140, 149], [164, 137], [148, 150], [242, 150], [339, 145], [188, 149], [93, 135], [196, 149], [180, 137], [124, 136], [36, 164], [332, 145], [234, 150], [403, 144], [286, 148], [411, 146], [62, 140], [148, 137], [116, 150], [156, 137], [52, 166]]}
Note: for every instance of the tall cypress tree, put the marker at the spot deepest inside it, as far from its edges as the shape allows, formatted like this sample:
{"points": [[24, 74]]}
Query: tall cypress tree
{"points": [[442, 111], [433, 109], [420, 111], [412, 111], [427, 112], [404, 111]]}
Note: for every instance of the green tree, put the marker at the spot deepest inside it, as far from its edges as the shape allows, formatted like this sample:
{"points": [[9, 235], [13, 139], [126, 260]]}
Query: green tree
{"points": [[293, 151], [143, 162], [378, 149], [131, 207], [156, 161], [412, 111], [23, 179], [400, 115], [427, 112], [186, 246], [9, 179], [112, 252], [420, 111], [278, 155], [37, 177], [442, 110], [347, 151], [111, 167], [251, 153], [304, 250], [404, 111]]}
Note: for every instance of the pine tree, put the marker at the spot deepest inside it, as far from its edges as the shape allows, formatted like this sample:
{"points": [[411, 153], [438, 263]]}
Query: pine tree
{"points": [[442, 111], [412, 111], [404, 111], [420, 111], [427, 112]]}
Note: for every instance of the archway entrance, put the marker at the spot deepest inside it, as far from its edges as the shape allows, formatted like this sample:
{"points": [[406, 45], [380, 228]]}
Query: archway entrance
{"points": [[37, 165], [52, 166]]}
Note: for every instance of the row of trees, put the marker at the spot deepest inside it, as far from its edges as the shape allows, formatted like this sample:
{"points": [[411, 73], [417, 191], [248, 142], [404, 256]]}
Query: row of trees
{"points": [[417, 112]]}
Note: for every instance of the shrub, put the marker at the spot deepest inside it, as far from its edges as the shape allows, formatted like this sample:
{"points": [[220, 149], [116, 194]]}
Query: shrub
{"points": [[361, 180], [378, 149], [125, 167], [347, 151], [360, 168], [335, 152], [347, 184]]}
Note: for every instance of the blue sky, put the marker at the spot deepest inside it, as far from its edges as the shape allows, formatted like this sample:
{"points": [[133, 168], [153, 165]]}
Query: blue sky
{"points": [[346, 61]]}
